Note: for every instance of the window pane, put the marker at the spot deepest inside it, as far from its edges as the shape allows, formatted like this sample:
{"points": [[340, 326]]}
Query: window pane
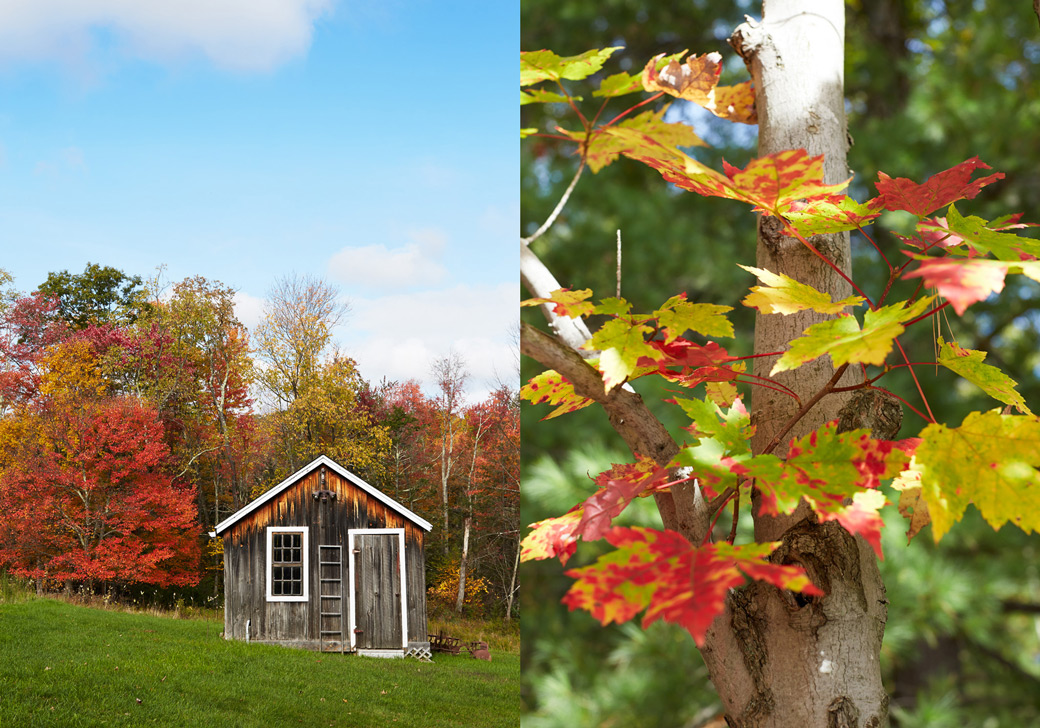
{"points": [[287, 564]]}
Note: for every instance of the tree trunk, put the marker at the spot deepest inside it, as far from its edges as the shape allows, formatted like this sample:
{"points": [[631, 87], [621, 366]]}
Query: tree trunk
{"points": [[776, 658], [512, 581], [461, 598]]}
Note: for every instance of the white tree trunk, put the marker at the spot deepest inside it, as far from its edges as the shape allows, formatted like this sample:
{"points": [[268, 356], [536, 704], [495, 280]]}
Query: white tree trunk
{"points": [[512, 581], [779, 660], [463, 563]]}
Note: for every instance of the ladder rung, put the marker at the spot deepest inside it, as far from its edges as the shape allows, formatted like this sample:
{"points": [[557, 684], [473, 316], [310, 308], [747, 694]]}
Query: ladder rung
{"points": [[331, 614], [335, 631], [331, 579]]}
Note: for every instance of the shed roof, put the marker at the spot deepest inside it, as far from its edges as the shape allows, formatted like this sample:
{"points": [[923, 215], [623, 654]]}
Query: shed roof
{"points": [[288, 482]]}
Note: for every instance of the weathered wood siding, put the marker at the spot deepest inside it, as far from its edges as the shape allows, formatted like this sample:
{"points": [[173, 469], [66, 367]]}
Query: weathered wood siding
{"points": [[298, 623]]}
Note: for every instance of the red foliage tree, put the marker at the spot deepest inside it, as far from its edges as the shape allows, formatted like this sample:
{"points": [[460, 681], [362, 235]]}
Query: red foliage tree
{"points": [[85, 497]]}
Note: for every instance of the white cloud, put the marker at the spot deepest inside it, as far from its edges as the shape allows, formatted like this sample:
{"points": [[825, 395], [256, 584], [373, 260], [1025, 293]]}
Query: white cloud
{"points": [[378, 266], [249, 309], [247, 35], [400, 336]]}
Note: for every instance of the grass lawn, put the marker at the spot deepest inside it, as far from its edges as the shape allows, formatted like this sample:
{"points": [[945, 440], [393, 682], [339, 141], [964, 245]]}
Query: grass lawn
{"points": [[66, 665]]}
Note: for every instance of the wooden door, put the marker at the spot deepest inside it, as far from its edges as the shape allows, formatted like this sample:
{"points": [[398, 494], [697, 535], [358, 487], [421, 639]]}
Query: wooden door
{"points": [[378, 591]]}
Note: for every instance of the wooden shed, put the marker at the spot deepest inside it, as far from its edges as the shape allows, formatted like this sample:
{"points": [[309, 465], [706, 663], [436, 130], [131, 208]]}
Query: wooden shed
{"points": [[325, 561]]}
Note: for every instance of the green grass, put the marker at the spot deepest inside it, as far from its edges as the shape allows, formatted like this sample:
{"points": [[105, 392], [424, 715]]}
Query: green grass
{"points": [[499, 634], [67, 665]]}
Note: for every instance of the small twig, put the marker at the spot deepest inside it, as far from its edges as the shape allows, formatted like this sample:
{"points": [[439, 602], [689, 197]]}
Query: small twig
{"points": [[716, 503], [629, 110], [859, 229], [912, 408], [913, 375], [715, 520], [736, 517], [1013, 605], [836, 269], [768, 384], [827, 389], [929, 312], [619, 263], [559, 207]]}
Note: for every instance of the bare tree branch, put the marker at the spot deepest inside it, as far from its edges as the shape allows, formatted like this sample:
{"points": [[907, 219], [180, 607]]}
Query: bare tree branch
{"points": [[558, 209]]}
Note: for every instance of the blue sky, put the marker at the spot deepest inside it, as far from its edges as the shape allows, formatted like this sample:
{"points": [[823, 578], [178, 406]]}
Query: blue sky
{"points": [[373, 144]]}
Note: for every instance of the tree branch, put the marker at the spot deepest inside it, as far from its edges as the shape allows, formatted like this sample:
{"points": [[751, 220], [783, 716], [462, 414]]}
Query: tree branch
{"points": [[559, 207], [683, 509], [540, 282]]}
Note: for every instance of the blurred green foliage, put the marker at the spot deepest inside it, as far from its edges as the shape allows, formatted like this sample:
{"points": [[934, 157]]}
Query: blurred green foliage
{"points": [[929, 83]]}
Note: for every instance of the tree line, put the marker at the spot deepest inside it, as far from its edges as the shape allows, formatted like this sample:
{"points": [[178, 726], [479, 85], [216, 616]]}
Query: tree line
{"points": [[135, 416]]}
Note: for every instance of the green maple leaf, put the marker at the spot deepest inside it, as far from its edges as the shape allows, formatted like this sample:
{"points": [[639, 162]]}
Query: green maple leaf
{"points": [[647, 135], [731, 429], [612, 307], [622, 343], [846, 342], [968, 363], [721, 393], [832, 214], [619, 84], [783, 294], [540, 96], [977, 232], [678, 315], [991, 461], [544, 65], [566, 302]]}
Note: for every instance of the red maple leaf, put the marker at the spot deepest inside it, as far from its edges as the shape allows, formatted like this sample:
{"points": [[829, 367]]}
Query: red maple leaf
{"points": [[962, 281], [663, 573], [938, 191], [619, 486], [552, 537], [697, 363]]}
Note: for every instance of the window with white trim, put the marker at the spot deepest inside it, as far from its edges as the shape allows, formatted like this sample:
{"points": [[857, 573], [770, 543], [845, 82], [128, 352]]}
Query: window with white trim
{"points": [[287, 562]]}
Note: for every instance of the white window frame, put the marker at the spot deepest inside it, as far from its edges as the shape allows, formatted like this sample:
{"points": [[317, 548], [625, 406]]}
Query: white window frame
{"points": [[306, 563], [399, 532]]}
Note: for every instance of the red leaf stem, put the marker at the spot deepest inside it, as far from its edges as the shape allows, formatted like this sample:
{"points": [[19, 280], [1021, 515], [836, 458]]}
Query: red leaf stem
{"points": [[628, 111], [836, 269], [930, 417]]}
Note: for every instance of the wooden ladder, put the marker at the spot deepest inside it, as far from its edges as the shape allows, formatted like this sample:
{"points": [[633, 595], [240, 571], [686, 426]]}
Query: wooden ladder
{"points": [[330, 593]]}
